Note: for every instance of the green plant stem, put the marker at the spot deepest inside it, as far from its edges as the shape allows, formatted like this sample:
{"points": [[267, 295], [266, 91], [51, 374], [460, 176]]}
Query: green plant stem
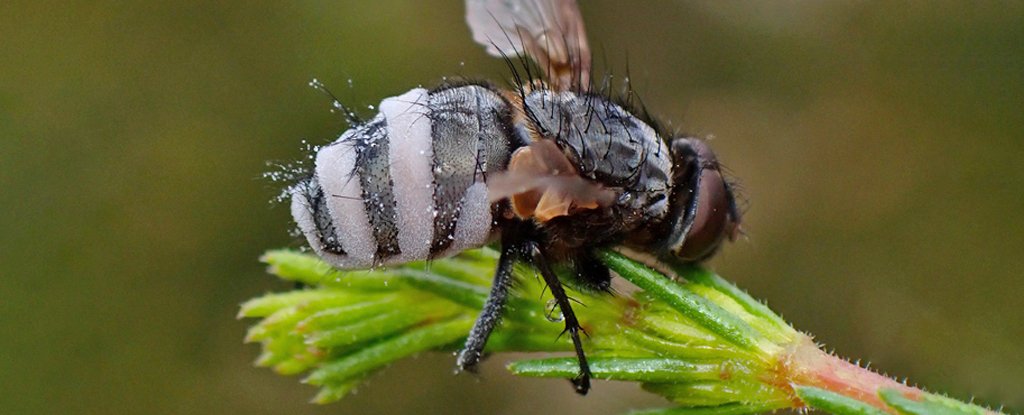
{"points": [[692, 337]]}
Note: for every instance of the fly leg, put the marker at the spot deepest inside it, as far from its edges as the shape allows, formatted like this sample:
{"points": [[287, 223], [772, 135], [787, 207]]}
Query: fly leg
{"points": [[572, 325], [490, 316]]}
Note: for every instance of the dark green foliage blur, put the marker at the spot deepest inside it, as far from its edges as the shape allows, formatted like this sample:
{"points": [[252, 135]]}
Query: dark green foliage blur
{"points": [[878, 146]]}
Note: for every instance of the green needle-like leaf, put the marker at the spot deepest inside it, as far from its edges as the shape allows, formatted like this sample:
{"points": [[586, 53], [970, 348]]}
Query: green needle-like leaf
{"points": [[835, 403], [623, 368], [677, 296], [695, 339], [378, 355], [727, 409], [928, 404]]}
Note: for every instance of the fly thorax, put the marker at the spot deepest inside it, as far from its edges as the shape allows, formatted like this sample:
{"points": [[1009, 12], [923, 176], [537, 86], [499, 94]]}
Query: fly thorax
{"points": [[610, 146]]}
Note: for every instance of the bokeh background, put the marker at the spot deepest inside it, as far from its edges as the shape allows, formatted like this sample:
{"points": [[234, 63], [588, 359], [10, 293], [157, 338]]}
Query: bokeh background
{"points": [[879, 146]]}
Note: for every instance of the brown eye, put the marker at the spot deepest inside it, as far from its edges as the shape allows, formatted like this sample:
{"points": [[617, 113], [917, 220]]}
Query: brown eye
{"points": [[705, 208], [714, 219]]}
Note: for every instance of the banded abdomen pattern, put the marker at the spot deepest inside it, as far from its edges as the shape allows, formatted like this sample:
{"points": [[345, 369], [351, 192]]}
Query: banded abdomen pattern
{"points": [[410, 183]]}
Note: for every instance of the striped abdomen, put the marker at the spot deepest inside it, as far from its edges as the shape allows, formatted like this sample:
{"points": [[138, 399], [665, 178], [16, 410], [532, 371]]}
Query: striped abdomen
{"points": [[409, 184]]}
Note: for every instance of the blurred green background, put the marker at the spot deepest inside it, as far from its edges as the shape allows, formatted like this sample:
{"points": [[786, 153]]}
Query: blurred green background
{"points": [[879, 146]]}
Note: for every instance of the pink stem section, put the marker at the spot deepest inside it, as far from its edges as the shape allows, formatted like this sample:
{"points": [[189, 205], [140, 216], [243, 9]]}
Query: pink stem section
{"points": [[807, 365]]}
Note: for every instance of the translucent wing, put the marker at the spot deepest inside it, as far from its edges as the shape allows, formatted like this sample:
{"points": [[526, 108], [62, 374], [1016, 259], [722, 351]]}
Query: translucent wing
{"points": [[550, 32], [542, 183]]}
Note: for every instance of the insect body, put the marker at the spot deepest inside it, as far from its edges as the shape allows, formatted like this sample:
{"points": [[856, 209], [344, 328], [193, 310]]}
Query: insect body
{"points": [[552, 171]]}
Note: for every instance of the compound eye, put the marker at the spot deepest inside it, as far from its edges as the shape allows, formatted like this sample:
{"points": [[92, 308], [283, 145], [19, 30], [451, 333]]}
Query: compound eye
{"points": [[714, 220]]}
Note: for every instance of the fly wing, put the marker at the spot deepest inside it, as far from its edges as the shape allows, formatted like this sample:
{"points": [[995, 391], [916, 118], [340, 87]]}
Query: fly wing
{"points": [[542, 184], [550, 32]]}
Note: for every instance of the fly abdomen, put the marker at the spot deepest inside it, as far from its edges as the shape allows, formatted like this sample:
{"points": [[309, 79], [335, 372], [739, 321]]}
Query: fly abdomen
{"points": [[471, 127], [409, 184]]}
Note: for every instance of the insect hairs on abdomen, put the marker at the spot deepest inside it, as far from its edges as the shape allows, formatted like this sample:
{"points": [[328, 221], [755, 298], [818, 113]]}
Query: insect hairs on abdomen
{"points": [[410, 183]]}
